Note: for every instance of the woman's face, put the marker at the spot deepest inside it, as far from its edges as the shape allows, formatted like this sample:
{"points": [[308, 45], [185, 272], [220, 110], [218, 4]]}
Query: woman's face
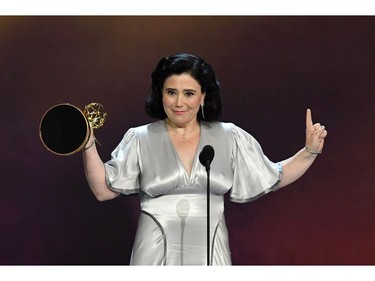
{"points": [[182, 97]]}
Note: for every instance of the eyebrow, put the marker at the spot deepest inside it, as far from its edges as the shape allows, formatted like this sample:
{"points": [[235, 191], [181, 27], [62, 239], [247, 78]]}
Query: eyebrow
{"points": [[185, 90]]}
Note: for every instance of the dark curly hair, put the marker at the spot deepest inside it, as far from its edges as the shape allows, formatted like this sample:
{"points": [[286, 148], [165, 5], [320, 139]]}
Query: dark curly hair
{"points": [[201, 71]]}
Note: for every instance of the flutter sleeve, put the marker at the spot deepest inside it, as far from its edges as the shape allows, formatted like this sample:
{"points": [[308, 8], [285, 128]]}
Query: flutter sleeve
{"points": [[254, 174], [122, 171]]}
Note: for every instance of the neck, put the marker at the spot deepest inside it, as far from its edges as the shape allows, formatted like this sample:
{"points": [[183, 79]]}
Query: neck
{"points": [[183, 130]]}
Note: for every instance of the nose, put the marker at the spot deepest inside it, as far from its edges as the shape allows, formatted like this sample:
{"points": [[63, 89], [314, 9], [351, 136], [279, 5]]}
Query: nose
{"points": [[179, 100]]}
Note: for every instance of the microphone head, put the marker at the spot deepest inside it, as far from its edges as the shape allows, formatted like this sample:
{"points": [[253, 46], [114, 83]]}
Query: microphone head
{"points": [[206, 155], [183, 208]]}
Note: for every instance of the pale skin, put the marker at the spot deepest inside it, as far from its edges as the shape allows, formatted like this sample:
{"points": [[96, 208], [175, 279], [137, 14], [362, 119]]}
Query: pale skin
{"points": [[297, 165], [182, 98]]}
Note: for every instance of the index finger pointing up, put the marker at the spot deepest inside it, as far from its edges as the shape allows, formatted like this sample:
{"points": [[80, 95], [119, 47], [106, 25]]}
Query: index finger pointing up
{"points": [[309, 122]]}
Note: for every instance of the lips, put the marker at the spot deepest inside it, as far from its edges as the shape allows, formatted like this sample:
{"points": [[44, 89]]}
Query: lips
{"points": [[178, 112]]}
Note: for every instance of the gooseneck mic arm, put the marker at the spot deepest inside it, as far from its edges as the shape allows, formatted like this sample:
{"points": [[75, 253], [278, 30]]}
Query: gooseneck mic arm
{"points": [[205, 157]]}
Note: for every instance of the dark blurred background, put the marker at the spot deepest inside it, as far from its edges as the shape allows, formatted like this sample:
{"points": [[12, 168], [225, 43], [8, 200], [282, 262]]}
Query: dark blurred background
{"points": [[271, 68]]}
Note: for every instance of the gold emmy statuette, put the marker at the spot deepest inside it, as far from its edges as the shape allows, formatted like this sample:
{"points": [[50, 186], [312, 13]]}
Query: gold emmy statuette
{"points": [[65, 129]]}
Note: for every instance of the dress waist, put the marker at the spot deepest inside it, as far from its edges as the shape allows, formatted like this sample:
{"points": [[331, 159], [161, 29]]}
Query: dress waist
{"points": [[183, 206]]}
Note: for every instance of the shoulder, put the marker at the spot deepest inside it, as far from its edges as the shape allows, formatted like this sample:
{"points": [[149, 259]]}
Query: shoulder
{"points": [[217, 125], [233, 131], [146, 129], [226, 127]]}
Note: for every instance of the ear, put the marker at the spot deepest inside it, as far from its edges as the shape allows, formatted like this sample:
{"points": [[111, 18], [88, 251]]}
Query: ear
{"points": [[202, 98]]}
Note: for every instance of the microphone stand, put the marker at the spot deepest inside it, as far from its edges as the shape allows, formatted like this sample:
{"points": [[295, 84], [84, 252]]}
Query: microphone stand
{"points": [[208, 212], [205, 157]]}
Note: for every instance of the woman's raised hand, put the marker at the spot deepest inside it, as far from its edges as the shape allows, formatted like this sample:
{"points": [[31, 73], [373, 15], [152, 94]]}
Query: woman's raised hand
{"points": [[315, 134]]}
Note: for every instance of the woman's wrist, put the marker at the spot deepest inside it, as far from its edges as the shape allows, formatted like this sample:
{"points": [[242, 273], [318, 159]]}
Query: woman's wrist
{"points": [[91, 145], [314, 152]]}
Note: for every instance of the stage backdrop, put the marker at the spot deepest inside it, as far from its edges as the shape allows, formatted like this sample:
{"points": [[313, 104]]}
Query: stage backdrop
{"points": [[271, 70]]}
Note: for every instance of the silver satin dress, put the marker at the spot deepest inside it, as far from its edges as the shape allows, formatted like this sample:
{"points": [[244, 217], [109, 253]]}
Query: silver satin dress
{"points": [[172, 227]]}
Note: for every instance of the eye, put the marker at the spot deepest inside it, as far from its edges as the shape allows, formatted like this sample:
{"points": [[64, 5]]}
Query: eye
{"points": [[189, 94], [170, 92]]}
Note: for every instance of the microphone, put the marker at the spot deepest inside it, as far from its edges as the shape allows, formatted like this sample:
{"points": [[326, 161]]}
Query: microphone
{"points": [[206, 156], [182, 210]]}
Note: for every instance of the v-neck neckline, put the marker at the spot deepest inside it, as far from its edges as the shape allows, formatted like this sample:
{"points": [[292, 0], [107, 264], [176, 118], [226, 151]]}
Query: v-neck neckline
{"points": [[177, 157]]}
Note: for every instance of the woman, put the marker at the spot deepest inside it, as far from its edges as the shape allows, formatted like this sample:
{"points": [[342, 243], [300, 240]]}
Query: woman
{"points": [[159, 161]]}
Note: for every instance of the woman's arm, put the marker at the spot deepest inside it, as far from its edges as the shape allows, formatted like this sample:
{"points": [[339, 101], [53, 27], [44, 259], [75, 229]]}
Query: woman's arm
{"points": [[297, 165], [95, 172]]}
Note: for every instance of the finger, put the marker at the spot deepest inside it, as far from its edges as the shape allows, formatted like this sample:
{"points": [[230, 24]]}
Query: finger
{"points": [[323, 133], [309, 122], [317, 127]]}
